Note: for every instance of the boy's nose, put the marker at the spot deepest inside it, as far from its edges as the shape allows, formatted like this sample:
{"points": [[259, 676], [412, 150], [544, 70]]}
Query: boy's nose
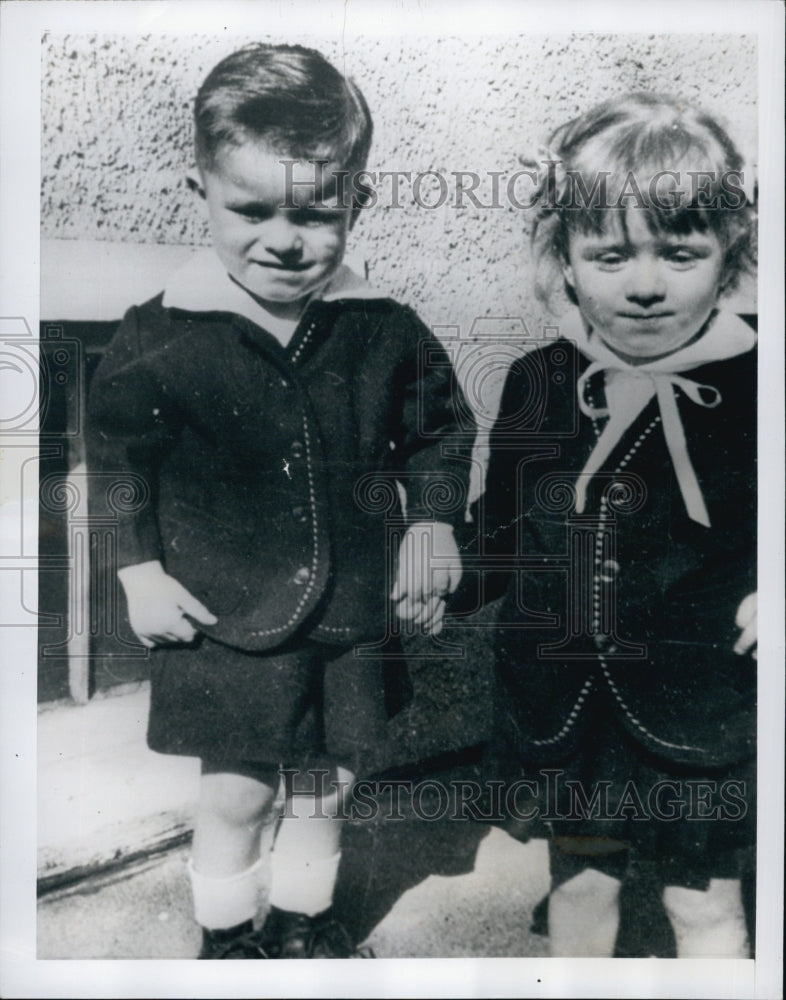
{"points": [[282, 239], [645, 282]]}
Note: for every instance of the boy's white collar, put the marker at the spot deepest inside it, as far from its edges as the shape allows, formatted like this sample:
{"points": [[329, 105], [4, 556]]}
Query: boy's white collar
{"points": [[203, 285]]}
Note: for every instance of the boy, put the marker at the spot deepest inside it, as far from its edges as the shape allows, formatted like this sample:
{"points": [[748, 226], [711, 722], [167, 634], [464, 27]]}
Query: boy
{"points": [[255, 398]]}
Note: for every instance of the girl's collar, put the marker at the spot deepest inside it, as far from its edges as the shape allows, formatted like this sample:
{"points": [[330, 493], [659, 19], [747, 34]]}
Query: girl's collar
{"points": [[629, 388], [726, 336]]}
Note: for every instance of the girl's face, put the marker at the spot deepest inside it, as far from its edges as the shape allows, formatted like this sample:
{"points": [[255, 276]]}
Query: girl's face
{"points": [[646, 295]]}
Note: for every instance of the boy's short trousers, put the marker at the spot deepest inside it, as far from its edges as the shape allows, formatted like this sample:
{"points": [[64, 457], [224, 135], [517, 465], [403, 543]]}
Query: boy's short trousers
{"points": [[714, 836], [297, 706], [313, 777]]}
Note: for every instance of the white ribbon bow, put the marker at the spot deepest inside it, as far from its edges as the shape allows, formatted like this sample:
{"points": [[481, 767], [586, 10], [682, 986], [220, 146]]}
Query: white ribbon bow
{"points": [[632, 389]]}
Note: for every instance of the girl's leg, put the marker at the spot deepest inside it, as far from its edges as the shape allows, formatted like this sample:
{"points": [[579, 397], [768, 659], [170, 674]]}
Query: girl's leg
{"points": [[584, 916], [708, 923], [224, 865]]}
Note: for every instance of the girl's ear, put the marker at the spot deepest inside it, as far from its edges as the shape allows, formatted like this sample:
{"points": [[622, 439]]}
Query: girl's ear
{"points": [[567, 274]]}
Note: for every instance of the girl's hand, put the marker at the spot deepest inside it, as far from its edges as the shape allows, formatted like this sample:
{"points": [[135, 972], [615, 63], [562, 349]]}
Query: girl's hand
{"points": [[429, 567], [158, 604], [747, 620]]}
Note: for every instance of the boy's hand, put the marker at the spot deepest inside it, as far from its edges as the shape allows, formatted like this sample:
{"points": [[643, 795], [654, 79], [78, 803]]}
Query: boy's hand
{"points": [[747, 620], [157, 605], [421, 586]]}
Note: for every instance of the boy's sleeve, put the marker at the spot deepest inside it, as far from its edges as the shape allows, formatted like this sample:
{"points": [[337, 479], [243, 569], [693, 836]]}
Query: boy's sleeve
{"points": [[436, 434], [131, 424]]}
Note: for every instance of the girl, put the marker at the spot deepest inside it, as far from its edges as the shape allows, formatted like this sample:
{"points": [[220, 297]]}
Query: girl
{"points": [[622, 485]]}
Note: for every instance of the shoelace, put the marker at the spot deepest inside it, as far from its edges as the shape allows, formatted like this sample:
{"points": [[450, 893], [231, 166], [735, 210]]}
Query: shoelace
{"points": [[245, 945], [335, 936]]}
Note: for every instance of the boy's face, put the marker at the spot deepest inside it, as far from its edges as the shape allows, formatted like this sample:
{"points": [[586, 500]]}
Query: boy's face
{"points": [[278, 233], [645, 294]]}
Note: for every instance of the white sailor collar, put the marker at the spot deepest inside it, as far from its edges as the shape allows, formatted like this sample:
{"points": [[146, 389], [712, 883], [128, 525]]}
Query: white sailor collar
{"points": [[726, 336], [203, 285]]}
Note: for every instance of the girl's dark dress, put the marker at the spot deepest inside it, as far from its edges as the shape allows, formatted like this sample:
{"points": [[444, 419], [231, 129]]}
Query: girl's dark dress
{"points": [[615, 641]]}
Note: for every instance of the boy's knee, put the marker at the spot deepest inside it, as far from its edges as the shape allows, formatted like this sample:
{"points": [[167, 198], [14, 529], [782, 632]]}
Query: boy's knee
{"points": [[236, 798], [325, 783]]}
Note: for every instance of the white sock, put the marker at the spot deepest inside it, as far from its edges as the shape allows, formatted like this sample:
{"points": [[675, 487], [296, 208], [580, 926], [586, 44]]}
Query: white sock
{"points": [[225, 902], [303, 885]]}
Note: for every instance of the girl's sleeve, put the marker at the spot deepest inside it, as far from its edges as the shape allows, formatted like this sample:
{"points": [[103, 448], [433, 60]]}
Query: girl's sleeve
{"points": [[434, 439], [131, 424], [496, 517]]}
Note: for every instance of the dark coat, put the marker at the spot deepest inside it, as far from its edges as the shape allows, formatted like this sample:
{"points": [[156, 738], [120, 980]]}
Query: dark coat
{"points": [[270, 471], [668, 587]]}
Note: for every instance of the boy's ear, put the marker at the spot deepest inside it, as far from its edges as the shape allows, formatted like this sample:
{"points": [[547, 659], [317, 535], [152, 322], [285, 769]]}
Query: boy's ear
{"points": [[567, 274], [194, 182]]}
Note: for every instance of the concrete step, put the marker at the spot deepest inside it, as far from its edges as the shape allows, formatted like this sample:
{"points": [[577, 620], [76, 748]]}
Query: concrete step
{"points": [[144, 912], [103, 796]]}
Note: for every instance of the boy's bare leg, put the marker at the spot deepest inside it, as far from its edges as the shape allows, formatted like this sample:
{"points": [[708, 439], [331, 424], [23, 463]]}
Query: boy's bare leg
{"points": [[584, 916], [225, 864], [303, 830], [307, 850], [709, 923], [232, 809]]}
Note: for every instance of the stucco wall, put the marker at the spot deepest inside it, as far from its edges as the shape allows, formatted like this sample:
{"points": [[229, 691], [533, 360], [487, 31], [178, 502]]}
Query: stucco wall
{"points": [[117, 142]]}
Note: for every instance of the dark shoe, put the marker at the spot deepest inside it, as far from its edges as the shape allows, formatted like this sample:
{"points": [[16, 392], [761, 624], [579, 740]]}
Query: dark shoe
{"points": [[241, 941], [540, 918], [294, 935]]}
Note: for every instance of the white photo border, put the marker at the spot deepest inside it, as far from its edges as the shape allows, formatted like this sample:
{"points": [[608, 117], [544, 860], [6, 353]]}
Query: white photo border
{"points": [[21, 975]]}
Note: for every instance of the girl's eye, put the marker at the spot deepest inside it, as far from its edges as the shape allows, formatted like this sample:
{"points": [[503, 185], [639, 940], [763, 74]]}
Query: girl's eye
{"points": [[610, 259], [680, 256]]}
